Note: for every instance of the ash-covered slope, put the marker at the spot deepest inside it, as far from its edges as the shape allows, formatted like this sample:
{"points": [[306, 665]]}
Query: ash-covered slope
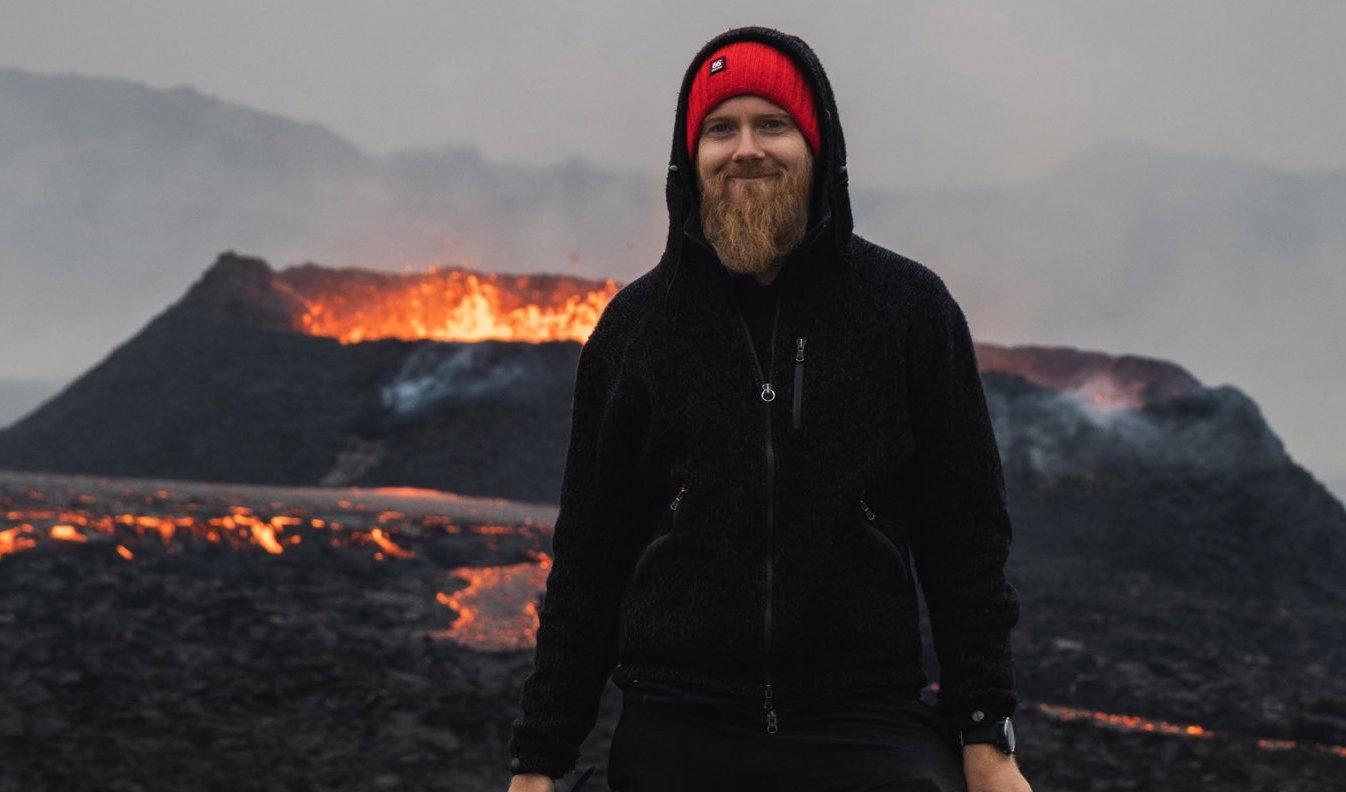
{"points": [[222, 386]]}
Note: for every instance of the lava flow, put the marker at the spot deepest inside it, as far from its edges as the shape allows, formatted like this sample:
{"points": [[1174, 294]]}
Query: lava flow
{"points": [[494, 611], [445, 304], [1113, 720]]}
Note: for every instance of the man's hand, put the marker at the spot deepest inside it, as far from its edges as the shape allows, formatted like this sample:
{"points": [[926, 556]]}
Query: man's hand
{"points": [[532, 782], [989, 770]]}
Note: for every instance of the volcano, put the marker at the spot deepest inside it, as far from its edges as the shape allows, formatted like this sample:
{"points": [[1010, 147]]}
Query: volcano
{"points": [[449, 379]]}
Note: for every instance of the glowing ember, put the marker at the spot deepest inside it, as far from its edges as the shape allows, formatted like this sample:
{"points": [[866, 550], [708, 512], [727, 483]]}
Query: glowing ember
{"points": [[446, 304], [67, 533], [389, 548], [12, 540]]}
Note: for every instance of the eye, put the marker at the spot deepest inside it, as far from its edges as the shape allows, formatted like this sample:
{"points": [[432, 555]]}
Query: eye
{"points": [[776, 121], [715, 126]]}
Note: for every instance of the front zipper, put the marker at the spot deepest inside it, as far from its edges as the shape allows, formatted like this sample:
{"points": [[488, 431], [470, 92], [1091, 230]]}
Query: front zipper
{"points": [[799, 379], [767, 395], [883, 537]]}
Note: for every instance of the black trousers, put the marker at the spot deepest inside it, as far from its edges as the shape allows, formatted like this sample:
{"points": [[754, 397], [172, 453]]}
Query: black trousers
{"points": [[677, 740]]}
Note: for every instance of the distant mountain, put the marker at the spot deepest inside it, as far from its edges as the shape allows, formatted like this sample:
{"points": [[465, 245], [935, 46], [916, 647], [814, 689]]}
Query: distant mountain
{"points": [[111, 187]]}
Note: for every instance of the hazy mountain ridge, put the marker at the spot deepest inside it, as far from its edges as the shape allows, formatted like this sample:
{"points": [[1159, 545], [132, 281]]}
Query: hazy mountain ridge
{"points": [[111, 185], [115, 192]]}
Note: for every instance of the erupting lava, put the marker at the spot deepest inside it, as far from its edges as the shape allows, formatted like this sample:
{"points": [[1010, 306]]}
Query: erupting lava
{"points": [[456, 304], [451, 304], [446, 304]]}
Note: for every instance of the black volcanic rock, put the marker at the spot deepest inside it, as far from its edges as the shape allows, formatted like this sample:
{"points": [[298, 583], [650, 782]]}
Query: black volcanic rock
{"points": [[1172, 561], [243, 289]]}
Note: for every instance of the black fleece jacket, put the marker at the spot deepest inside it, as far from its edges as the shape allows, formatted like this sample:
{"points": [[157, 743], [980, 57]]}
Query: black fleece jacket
{"points": [[747, 523]]}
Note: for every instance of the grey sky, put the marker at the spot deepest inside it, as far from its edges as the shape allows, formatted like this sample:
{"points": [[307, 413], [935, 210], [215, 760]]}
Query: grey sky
{"points": [[932, 93]]}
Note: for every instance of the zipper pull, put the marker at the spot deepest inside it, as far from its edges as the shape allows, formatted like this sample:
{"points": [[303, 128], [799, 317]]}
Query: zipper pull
{"points": [[767, 393], [678, 498], [799, 381], [770, 708]]}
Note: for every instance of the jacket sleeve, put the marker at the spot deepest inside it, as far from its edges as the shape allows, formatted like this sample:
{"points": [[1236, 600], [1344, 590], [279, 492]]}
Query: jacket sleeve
{"points": [[592, 547], [959, 513]]}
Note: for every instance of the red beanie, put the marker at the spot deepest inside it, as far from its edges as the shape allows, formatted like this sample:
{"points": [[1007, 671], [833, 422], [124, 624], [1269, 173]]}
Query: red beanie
{"points": [[750, 67]]}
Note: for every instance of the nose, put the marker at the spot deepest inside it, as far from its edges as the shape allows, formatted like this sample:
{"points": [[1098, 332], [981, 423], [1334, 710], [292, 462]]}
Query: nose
{"points": [[747, 148]]}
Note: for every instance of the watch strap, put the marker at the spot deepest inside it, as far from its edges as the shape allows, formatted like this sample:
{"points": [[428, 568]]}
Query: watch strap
{"points": [[993, 733]]}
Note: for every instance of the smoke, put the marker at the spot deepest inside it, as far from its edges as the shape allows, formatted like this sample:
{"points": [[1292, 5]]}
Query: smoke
{"points": [[438, 375], [1213, 430]]}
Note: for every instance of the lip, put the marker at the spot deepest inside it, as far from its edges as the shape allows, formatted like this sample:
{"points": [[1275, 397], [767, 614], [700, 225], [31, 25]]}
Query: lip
{"points": [[753, 178]]}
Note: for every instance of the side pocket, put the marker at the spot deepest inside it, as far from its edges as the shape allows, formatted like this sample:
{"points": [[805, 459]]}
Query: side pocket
{"points": [[671, 517], [901, 553]]}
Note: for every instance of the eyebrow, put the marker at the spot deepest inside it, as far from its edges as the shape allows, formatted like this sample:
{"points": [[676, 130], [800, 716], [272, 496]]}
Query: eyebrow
{"points": [[717, 118]]}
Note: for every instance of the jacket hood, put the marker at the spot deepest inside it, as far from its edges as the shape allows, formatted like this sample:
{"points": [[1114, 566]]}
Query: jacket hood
{"points": [[830, 223]]}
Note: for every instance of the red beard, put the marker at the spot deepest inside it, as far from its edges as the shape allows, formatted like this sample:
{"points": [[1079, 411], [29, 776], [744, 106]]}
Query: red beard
{"points": [[754, 224]]}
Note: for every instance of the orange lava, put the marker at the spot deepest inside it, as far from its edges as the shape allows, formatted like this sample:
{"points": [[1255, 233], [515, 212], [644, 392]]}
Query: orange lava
{"points": [[1136, 722], [449, 304]]}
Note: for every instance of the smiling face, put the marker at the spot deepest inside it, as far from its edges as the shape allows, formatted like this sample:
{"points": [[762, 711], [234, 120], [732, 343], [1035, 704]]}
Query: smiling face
{"points": [[755, 172]]}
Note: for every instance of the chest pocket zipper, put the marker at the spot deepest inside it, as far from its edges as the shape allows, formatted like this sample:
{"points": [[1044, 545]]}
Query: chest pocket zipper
{"points": [[798, 406], [900, 553], [658, 540]]}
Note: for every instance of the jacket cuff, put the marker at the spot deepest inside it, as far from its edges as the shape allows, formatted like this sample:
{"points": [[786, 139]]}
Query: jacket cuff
{"points": [[982, 712], [534, 763]]}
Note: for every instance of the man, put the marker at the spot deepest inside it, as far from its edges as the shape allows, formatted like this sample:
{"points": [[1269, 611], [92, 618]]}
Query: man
{"points": [[770, 427]]}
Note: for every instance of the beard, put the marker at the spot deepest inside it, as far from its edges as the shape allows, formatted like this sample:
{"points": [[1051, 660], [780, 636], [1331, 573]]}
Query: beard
{"points": [[754, 224]]}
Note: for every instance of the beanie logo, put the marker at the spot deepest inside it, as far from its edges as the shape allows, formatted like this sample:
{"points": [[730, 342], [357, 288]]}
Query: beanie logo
{"points": [[717, 65]]}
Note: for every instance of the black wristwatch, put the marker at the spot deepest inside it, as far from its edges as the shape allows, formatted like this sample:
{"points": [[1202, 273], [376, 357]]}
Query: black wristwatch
{"points": [[999, 733]]}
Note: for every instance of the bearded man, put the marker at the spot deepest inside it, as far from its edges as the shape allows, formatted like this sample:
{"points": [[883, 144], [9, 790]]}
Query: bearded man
{"points": [[777, 431]]}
